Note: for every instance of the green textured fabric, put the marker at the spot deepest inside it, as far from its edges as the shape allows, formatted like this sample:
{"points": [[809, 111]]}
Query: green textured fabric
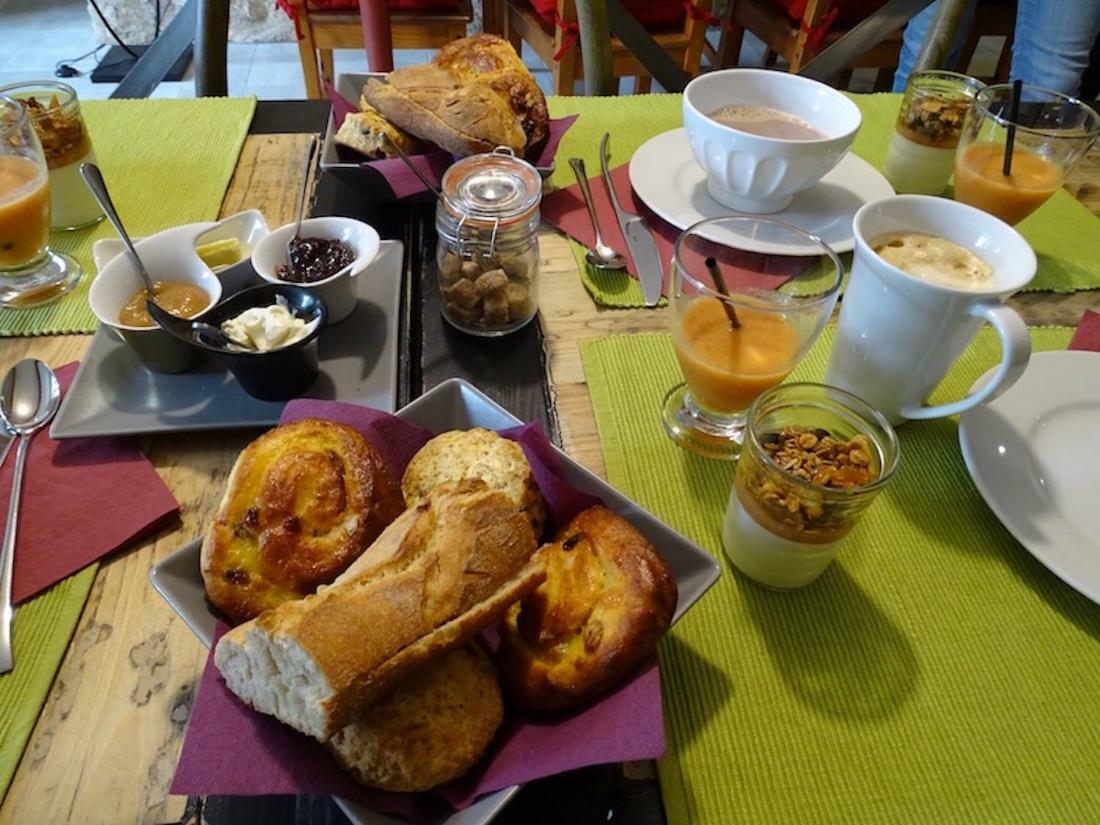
{"points": [[935, 673], [634, 120], [167, 162], [40, 635]]}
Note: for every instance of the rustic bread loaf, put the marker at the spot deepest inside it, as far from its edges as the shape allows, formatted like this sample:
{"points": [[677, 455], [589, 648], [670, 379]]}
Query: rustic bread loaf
{"points": [[479, 454], [431, 728], [607, 599], [445, 569], [303, 501], [474, 96]]}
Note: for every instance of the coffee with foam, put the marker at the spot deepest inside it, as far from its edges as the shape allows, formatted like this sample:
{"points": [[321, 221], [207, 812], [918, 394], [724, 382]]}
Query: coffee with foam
{"points": [[935, 259]]}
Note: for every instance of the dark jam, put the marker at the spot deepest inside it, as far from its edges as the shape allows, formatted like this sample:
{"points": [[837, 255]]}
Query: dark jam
{"points": [[314, 259]]}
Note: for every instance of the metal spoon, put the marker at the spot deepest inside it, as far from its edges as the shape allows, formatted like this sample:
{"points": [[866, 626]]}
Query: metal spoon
{"points": [[311, 150], [29, 398], [94, 178], [600, 256]]}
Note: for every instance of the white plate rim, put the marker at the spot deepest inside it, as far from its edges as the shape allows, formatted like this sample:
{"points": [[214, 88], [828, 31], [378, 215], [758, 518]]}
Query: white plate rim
{"points": [[851, 165], [1053, 371]]}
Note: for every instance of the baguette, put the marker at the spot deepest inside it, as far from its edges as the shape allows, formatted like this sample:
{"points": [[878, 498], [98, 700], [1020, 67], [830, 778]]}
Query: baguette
{"points": [[442, 571]]}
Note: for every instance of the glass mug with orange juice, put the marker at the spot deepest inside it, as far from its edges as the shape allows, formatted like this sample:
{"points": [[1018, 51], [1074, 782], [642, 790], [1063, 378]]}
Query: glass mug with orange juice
{"points": [[30, 274], [1052, 133], [741, 322]]}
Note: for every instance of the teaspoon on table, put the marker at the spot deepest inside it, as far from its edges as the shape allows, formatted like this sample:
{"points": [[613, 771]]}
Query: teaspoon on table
{"points": [[600, 255], [29, 398], [311, 150]]}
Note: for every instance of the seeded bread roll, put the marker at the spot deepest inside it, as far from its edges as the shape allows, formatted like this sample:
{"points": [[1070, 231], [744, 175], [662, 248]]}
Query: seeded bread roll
{"points": [[432, 728], [444, 570], [607, 599], [303, 501], [481, 454]]}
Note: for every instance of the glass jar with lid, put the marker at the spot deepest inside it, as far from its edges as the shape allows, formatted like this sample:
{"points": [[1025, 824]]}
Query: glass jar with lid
{"points": [[488, 252]]}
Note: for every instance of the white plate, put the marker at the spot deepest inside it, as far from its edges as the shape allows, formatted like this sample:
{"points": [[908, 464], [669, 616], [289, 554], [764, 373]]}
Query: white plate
{"points": [[1034, 454], [666, 177]]}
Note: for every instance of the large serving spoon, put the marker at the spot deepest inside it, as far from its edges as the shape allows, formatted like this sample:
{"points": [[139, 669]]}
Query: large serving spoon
{"points": [[94, 178], [29, 398], [599, 255]]}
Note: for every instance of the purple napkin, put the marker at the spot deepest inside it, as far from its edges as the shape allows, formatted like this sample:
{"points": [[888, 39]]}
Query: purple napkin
{"points": [[432, 164], [231, 750]]}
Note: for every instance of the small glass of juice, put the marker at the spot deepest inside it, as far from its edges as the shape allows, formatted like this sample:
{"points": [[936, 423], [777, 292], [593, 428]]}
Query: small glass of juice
{"points": [[1052, 133], [30, 274], [741, 321]]}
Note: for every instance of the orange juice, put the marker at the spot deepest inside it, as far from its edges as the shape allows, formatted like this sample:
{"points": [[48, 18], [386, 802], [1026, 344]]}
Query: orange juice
{"points": [[726, 368], [981, 182], [24, 211]]}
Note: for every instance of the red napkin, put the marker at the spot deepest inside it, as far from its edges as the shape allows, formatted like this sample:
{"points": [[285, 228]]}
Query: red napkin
{"points": [[82, 499], [1087, 336], [232, 750], [565, 210], [433, 164]]}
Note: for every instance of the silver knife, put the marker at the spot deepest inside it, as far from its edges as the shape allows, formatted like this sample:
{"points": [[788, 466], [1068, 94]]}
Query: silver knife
{"points": [[643, 249]]}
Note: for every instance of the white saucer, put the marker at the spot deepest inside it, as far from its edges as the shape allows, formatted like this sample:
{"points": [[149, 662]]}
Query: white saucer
{"points": [[666, 177], [1034, 454]]}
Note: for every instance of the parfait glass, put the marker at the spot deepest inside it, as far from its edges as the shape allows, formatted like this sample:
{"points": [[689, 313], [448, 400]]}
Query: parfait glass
{"points": [[30, 274], [741, 321]]}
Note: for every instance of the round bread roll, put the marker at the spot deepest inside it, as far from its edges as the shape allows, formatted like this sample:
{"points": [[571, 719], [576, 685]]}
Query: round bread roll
{"points": [[303, 501], [431, 729], [607, 599], [454, 456]]}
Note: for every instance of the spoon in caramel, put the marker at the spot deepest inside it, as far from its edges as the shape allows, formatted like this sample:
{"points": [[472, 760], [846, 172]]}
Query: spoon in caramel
{"points": [[94, 178]]}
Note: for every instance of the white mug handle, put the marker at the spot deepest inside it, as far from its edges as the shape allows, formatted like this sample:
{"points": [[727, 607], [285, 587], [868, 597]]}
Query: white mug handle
{"points": [[1015, 352]]}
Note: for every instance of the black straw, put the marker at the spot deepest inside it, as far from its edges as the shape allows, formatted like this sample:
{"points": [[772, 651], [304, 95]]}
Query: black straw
{"points": [[720, 282], [1013, 115]]}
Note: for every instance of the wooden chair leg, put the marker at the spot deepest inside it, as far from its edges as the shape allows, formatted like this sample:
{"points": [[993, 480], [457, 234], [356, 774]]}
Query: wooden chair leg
{"points": [[884, 78], [307, 53], [729, 47], [642, 84], [770, 56], [510, 32], [844, 79], [324, 57]]}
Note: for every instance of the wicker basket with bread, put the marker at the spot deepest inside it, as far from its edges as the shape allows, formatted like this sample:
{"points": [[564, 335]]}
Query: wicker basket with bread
{"points": [[475, 95], [367, 636]]}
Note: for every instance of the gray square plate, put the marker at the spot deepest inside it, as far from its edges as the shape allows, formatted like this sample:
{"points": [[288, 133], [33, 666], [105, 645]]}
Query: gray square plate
{"points": [[113, 394], [458, 405]]}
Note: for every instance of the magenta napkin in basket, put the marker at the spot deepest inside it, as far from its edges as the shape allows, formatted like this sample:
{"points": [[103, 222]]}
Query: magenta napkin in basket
{"points": [[565, 210], [232, 750], [433, 164], [82, 499], [1087, 336]]}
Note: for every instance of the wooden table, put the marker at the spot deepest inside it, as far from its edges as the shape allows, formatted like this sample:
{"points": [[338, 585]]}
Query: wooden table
{"points": [[105, 746]]}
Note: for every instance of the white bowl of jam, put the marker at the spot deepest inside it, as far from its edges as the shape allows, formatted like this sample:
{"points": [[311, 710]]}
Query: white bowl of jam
{"points": [[330, 254]]}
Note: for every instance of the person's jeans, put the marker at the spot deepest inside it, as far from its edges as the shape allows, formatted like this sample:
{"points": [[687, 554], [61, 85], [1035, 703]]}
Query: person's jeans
{"points": [[1051, 47]]}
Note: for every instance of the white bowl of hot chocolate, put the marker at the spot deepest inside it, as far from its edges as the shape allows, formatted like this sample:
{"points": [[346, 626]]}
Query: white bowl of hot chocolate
{"points": [[763, 136]]}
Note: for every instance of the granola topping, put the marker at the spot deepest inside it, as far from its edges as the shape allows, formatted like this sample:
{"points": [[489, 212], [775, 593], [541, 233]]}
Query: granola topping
{"points": [[818, 458], [63, 137], [933, 120]]}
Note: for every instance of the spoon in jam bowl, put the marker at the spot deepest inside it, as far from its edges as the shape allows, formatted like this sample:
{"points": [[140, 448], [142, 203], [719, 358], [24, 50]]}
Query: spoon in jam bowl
{"points": [[292, 244], [29, 398], [94, 178]]}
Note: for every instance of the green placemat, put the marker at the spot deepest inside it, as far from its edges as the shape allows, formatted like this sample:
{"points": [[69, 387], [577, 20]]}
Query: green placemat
{"points": [[40, 635], [167, 162], [936, 672], [1063, 267]]}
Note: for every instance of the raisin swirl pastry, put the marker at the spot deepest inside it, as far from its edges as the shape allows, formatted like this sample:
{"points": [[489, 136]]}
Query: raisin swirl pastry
{"points": [[303, 501], [607, 600]]}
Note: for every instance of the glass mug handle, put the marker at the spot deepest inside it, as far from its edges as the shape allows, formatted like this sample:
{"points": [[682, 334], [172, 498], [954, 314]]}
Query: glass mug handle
{"points": [[1015, 352]]}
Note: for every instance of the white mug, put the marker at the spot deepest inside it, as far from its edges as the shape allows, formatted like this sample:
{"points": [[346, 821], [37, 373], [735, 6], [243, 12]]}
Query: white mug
{"points": [[898, 334]]}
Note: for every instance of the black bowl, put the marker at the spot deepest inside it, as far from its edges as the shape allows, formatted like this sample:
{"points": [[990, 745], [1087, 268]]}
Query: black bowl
{"points": [[276, 375]]}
